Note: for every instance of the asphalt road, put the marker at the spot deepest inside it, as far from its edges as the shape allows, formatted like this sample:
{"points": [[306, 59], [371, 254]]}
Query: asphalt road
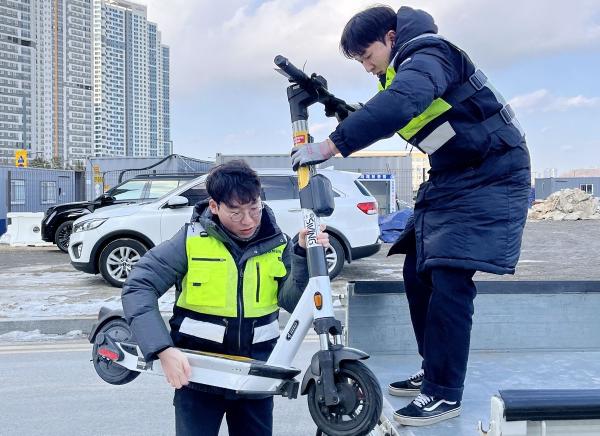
{"points": [[52, 389]]}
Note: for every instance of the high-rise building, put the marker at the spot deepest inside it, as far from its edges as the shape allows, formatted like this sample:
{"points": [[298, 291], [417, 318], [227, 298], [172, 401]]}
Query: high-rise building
{"points": [[17, 68], [130, 67], [43, 82], [82, 78], [63, 82], [165, 87]]}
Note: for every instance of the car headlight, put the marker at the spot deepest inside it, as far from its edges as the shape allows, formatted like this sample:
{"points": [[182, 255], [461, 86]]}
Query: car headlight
{"points": [[88, 225], [52, 215]]}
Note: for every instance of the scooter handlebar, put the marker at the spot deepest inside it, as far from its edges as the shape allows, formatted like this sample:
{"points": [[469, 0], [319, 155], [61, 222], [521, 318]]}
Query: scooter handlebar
{"points": [[317, 85], [295, 74]]}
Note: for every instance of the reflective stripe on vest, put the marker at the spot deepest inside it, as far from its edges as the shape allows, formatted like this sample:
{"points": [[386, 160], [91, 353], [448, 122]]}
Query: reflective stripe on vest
{"points": [[443, 133], [211, 283], [434, 110]]}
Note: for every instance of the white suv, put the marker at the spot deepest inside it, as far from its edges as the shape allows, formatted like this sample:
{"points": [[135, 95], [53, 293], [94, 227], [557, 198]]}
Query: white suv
{"points": [[111, 240]]}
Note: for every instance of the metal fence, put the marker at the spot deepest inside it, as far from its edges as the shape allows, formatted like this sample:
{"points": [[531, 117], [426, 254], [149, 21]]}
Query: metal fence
{"points": [[105, 173]]}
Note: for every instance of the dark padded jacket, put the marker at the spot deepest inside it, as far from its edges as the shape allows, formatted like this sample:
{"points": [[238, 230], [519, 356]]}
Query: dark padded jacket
{"points": [[471, 212]]}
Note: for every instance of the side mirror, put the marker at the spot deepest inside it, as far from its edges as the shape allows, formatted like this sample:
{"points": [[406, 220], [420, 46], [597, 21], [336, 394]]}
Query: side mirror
{"points": [[177, 201], [106, 199]]}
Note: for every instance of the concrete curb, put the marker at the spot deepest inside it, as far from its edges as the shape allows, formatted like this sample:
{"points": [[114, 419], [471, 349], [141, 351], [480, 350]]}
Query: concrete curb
{"points": [[61, 326]]}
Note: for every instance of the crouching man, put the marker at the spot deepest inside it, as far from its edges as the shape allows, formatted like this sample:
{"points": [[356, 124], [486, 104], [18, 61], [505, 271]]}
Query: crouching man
{"points": [[233, 269]]}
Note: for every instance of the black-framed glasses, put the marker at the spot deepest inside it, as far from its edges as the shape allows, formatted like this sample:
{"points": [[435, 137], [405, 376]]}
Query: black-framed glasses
{"points": [[254, 212]]}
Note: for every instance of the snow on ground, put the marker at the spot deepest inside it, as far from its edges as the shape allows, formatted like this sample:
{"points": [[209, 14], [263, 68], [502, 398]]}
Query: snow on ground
{"points": [[37, 336], [39, 282], [58, 291]]}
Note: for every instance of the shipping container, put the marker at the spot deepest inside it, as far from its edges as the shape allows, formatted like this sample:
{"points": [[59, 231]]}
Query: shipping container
{"points": [[546, 186], [35, 190]]}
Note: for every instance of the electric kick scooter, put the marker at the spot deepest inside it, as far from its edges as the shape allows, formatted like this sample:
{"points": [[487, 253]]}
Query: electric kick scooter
{"points": [[344, 396]]}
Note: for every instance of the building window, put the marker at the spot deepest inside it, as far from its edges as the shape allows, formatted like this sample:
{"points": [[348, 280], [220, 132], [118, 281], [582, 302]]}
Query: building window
{"points": [[17, 191], [48, 193], [588, 188]]}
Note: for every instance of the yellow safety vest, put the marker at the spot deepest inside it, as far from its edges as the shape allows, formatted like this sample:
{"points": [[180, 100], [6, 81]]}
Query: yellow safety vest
{"points": [[434, 110], [211, 283]]}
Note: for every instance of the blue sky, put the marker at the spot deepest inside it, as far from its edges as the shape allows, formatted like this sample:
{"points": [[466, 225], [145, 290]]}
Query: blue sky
{"points": [[544, 56]]}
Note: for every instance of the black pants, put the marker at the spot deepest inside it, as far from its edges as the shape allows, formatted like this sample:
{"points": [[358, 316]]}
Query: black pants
{"points": [[200, 414], [441, 310]]}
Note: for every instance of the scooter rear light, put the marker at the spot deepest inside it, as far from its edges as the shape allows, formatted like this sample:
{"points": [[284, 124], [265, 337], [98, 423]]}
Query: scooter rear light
{"points": [[370, 207], [111, 355]]}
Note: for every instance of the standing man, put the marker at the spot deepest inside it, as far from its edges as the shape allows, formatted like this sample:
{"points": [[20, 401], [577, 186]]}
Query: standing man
{"points": [[232, 268], [469, 216]]}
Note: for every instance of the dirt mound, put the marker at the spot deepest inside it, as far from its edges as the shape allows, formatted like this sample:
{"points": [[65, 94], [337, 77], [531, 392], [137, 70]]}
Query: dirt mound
{"points": [[566, 204]]}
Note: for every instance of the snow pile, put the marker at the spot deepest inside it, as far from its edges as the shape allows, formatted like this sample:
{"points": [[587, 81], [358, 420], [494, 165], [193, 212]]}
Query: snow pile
{"points": [[566, 205]]}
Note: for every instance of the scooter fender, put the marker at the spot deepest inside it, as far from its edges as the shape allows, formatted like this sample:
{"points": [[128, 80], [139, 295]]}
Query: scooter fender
{"points": [[104, 316], [313, 373]]}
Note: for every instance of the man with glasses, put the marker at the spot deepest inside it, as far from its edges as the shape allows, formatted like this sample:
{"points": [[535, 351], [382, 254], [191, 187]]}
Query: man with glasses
{"points": [[233, 269]]}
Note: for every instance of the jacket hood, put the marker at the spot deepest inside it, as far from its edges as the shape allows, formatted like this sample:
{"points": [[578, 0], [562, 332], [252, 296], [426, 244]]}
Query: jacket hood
{"points": [[200, 208], [411, 23]]}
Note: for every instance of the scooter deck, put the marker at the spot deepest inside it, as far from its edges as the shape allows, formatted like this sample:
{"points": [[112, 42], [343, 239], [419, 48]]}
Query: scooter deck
{"points": [[257, 367], [219, 355]]}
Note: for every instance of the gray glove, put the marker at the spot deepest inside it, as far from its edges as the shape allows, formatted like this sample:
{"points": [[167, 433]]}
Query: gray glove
{"points": [[311, 154]]}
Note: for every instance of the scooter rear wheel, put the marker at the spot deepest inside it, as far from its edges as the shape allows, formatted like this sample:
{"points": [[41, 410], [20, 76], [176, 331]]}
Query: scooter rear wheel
{"points": [[360, 404], [109, 371]]}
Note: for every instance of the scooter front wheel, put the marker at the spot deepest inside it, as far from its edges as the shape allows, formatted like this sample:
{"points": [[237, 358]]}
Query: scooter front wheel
{"points": [[109, 371], [359, 408]]}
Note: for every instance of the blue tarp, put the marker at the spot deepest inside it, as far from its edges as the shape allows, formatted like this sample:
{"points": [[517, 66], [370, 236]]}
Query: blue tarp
{"points": [[391, 225], [531, 197]]}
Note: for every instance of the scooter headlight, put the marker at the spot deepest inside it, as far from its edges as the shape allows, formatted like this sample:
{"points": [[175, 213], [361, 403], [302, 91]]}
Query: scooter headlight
{"points": [[88, 225]]}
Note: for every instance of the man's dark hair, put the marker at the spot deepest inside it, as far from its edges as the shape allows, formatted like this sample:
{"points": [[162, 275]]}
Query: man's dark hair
{"points": [[365, 28], [233, 181]]}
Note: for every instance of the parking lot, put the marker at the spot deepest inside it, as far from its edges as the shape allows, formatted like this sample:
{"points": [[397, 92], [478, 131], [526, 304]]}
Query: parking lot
{"points": [[40, 282]]}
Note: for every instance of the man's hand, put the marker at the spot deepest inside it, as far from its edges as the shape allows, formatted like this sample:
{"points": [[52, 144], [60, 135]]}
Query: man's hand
{"points": [[312, 153], [175, 366], [322, 238]]}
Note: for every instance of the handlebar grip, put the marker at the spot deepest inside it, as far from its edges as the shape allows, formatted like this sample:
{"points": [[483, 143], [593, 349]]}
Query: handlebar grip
{"points": [[296, 74]]}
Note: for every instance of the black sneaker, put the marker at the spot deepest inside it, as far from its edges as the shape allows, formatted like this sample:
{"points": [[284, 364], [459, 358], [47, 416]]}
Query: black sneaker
{"points": [[407, 388], [426, 410]]}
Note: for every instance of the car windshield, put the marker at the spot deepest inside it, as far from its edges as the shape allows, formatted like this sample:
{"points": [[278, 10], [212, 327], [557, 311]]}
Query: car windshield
{"points": [[181, 184], [159, 188], [130, 190]]}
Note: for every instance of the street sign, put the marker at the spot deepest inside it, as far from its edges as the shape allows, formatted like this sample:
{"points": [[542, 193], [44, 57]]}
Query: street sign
{"points": [[21, 158], [97, 175]]}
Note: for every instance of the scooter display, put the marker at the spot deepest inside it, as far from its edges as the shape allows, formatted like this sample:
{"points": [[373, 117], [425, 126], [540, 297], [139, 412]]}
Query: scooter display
{"points": [[344, 396]]}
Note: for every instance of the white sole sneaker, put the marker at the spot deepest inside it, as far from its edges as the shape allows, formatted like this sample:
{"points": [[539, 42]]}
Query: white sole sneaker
{"points": [[419, 422], [403, 392]]}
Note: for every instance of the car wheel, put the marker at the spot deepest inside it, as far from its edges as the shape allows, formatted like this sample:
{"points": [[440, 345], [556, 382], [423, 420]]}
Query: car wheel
{"points": [[117, 259], [62, 235], [335, 257]]}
